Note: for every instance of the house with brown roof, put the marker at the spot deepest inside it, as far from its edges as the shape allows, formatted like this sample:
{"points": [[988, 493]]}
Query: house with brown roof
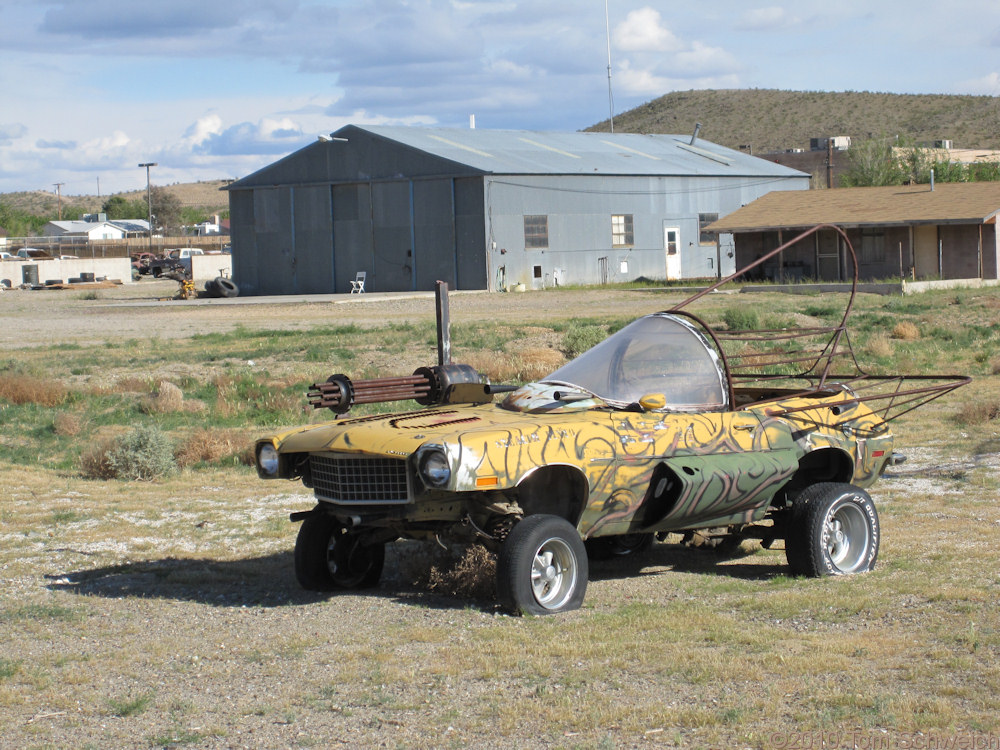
{"points": [[946, 231]]}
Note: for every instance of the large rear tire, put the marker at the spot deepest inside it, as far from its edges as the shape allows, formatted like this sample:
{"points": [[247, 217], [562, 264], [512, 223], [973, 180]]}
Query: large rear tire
{"points": [[542, 568], [329, 558], [833, 530]]}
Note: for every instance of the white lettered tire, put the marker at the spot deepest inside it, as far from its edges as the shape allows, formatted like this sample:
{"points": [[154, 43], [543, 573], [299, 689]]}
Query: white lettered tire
{"points": [[834, 531]]}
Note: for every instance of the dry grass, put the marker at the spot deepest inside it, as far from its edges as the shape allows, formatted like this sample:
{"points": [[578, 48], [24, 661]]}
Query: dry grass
{"points": [[471, 576], [978, 412], [95, 462], [879, 345], [906, 331], [210, 445], [22, 389], [523, 365], [167, 398], [67, 424]]}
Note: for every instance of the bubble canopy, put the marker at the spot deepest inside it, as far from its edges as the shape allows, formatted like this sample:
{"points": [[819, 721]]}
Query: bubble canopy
{"points": [[657, 354]]}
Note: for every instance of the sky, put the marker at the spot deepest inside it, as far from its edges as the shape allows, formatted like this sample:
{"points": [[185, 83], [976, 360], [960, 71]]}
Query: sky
{"points": [[89, 89]]}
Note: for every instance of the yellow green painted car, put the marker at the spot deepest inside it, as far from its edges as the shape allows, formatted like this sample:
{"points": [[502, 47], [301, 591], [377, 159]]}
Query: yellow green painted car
{"points": [[646, 434]]}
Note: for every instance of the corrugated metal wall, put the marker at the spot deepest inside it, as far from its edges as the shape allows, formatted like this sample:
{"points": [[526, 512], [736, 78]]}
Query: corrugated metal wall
{"points": [[579, 211]]}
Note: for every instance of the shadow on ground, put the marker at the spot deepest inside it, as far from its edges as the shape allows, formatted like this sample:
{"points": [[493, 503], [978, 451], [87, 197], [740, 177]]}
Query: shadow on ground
{"points": [[269, 581]]}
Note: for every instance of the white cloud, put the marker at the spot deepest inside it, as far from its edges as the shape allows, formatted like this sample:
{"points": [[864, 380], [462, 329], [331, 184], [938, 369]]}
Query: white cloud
{"points": [[647, 83], [11, 132], [203, 129], [700, 59], [770, 18], [642, 31], [987, 85], [658, 61]]}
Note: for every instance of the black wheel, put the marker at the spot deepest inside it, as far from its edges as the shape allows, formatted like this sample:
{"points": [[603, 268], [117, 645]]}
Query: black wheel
{"points": [[211, 289], [226, 287], [328, 557], [542, 567], [833, 530], [632, 546]]}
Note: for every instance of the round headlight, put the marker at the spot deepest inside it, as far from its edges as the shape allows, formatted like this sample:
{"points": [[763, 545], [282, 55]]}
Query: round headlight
{"points": [[267, 460], [434, 468]]}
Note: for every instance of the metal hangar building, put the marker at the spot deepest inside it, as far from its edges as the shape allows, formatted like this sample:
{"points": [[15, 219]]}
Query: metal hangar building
{"points": [[493, 210]]}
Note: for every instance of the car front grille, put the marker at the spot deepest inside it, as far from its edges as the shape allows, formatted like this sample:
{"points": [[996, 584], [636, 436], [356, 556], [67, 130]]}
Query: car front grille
{"points": [[358, 479]]}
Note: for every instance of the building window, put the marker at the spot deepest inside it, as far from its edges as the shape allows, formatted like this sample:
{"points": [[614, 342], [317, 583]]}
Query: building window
{"points": [[872, 246], [536, 272], [706, 238], [621, 231], [536, 231]]}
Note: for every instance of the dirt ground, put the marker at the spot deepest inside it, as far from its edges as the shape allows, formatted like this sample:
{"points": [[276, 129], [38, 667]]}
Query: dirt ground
{"points": [[145, 309]]}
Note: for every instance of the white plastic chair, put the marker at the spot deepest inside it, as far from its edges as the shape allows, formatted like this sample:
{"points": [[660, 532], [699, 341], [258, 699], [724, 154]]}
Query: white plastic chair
{"points": [[358, 283]]}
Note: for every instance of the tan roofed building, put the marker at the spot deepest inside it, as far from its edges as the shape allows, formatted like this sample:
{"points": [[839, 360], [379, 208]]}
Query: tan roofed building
{"points": [[913, 231]]}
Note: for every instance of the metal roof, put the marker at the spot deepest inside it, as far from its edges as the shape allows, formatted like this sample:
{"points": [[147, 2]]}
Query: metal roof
{"points": [[947, 203], [538, 152], [520, 152]]}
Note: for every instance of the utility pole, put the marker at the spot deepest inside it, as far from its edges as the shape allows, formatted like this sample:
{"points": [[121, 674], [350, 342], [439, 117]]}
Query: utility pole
{"points": [[58, 186], [611, 99], [149, 203]]}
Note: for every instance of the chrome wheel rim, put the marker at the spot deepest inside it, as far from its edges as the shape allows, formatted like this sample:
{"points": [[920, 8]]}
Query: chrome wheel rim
{"points": [[553, 573], [848, 537]]}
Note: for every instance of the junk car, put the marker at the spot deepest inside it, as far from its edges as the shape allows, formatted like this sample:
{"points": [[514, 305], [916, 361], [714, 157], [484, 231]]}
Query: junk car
{"points": [[666, 426]]}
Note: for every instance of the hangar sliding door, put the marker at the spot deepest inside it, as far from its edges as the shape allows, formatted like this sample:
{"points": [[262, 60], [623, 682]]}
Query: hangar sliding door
{"points": [[312, 261], [352, 235], [434, 233], [392, 262]]}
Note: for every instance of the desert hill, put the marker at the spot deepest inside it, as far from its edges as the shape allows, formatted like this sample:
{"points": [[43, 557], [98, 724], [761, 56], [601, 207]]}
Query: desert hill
{"points": [[772, 120]]}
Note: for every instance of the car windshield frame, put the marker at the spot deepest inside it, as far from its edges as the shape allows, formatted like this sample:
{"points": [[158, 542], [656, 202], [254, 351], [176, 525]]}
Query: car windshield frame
{"points": [[660, 353]]}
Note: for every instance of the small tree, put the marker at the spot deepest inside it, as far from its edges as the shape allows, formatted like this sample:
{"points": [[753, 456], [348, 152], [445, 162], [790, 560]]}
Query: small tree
{"points": [[117, 207], [166, 210], [872, 163]]}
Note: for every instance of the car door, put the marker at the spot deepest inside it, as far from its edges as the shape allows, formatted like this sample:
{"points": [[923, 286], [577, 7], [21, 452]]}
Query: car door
{"points": [[676, 471]]}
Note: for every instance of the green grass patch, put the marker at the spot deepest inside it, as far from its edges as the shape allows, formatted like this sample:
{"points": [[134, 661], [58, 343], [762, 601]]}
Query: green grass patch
{"points": [[123, 707]]}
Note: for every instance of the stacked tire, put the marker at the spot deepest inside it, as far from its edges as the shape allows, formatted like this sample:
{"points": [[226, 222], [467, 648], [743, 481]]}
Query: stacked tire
{"points": [[221, 287]]}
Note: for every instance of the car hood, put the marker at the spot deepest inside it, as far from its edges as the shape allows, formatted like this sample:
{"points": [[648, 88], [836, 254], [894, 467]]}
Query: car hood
{"points": [[400, 434]]}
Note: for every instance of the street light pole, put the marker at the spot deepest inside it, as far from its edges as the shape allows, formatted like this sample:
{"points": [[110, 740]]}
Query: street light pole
{"points": [[149, 204]]}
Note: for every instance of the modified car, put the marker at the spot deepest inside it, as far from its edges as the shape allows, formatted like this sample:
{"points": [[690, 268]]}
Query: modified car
{"points": [[667, 426]]}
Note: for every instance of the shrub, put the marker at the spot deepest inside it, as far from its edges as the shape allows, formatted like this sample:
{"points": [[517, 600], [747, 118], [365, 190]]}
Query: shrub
{"points": [[906, 331], [879, 346], [166, 399], [978, 412], [67, 424], [579, 338], [741, 319], [209, 446], [143, 454]]}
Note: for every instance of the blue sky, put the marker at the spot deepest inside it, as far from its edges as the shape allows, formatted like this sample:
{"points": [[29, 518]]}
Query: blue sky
{"points": [[210, 90]]}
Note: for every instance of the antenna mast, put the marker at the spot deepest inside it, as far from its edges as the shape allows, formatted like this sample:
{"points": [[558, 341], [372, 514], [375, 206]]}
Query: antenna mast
{"points": [[611, 99]]}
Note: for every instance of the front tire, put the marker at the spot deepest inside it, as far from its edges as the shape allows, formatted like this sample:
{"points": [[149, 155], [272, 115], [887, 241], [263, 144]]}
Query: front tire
{"points": [[542, 568], [833, 530], [329, 558]]}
